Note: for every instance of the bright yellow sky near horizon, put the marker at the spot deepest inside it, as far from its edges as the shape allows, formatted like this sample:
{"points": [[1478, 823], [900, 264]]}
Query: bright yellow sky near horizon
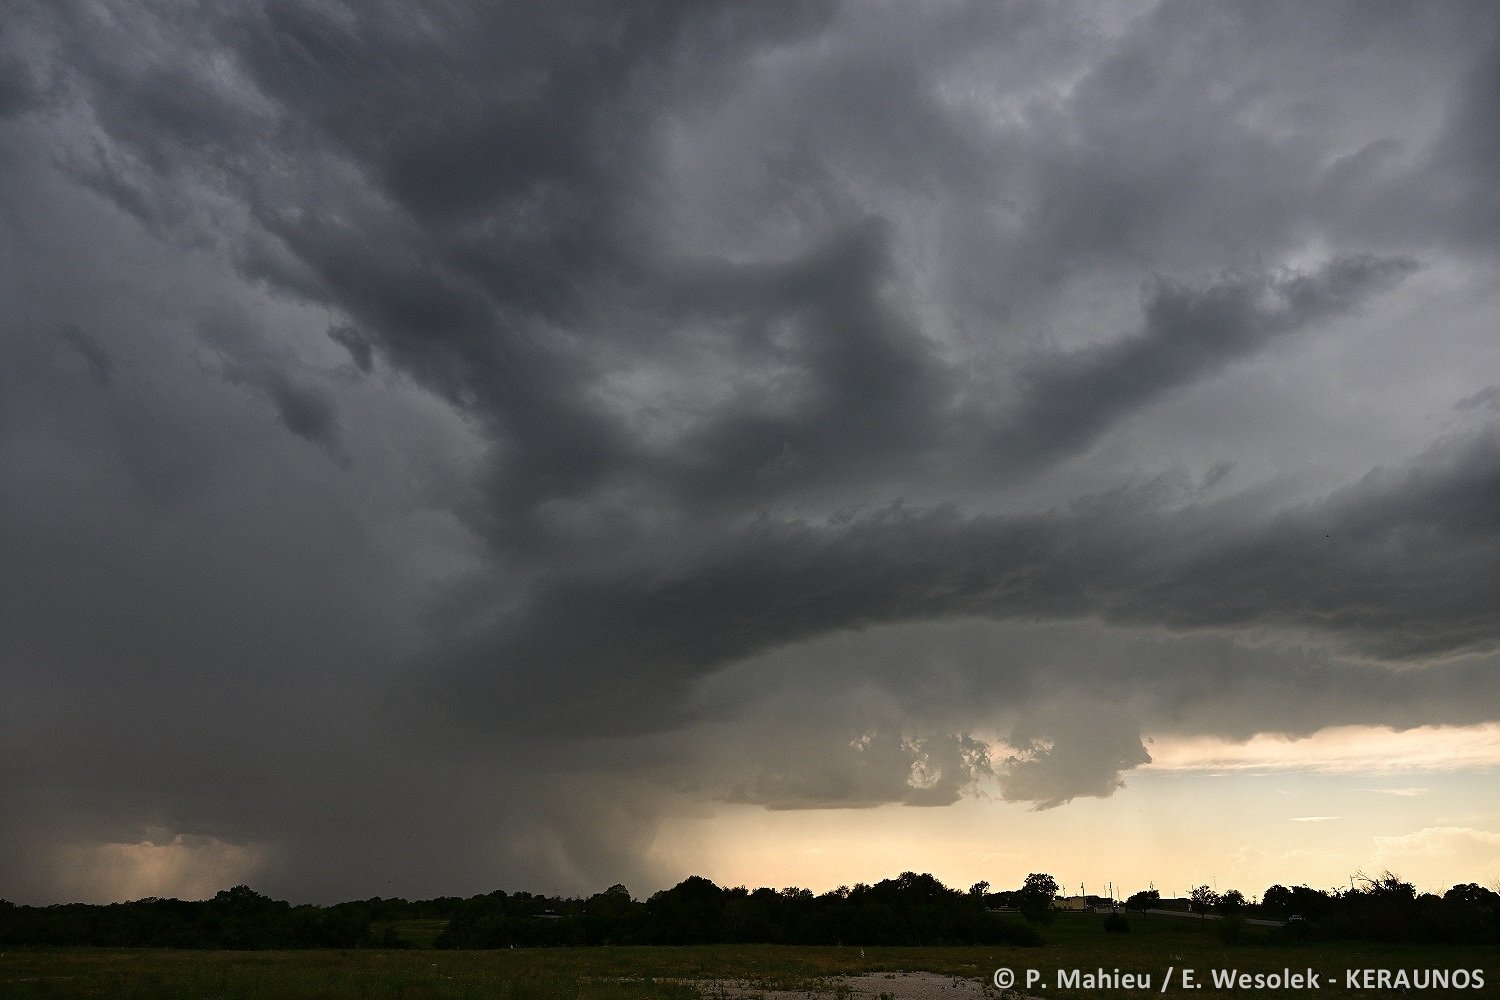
{"points": [[1317, 810]]}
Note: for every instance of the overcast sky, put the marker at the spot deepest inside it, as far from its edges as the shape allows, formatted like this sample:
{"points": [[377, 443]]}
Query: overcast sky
{"points": [[547, 445]]}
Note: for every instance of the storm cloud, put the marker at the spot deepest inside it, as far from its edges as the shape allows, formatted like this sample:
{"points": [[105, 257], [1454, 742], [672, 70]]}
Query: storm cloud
{"points": [[464, 415]]}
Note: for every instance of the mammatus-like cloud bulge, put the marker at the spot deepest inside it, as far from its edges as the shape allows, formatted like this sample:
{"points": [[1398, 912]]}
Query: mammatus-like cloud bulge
{"points": [[356, 343], [304, 410], [1082, 754], [872, 768]]}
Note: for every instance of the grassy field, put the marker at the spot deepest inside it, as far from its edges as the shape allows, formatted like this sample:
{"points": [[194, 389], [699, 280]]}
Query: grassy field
{"points": [[1073, 942]]}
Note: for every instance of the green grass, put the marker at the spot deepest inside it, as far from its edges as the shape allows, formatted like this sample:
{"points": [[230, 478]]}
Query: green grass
{"points": [[365, 975], [421, 933], [1072, 941], [1155, 943]]}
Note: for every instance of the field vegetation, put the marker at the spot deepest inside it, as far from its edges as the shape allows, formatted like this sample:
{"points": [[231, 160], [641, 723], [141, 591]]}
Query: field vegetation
{"points": [[701, 940], [1070, 941]]}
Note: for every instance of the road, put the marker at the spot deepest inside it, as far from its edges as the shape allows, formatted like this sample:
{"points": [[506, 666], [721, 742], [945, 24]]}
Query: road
{"points": [[1211, 916]]}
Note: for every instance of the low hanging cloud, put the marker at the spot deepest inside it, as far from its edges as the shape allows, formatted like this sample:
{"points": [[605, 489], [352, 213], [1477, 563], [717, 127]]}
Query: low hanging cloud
{"points": [[871, 769], [586, 646], [1080, 751]]}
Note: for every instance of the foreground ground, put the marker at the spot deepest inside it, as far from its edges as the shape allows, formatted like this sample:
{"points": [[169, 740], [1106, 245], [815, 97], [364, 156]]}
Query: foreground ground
{"points": [[725, 971]]}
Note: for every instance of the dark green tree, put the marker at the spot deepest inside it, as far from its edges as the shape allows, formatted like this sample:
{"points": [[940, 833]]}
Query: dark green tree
{"points": [[1202, 899], [1035, 897], [1231, 902]]}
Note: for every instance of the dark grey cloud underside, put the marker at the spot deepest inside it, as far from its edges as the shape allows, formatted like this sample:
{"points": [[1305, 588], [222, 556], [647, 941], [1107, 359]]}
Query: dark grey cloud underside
{"points": [[455, 241], [1396, 566], [99, 361], [695, 276], [1189, 334]]}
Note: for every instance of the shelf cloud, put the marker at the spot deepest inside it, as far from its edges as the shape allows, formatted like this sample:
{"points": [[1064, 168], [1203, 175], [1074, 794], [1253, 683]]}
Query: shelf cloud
{"points": [[498, 428]]}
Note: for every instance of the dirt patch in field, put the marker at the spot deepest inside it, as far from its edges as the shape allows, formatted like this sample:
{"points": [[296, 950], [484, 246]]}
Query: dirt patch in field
{"points": [[871, 986]]}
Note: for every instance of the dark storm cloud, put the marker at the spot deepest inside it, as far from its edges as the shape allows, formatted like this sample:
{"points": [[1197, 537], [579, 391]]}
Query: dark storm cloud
{"points": [[497, 205], [18, 91], [304, 410], [1487, 398], [1189, 333], [702, 292], [1463, 170], [1083, 754], [357, 344], [1068, 708], [98, 359], [1398, 566], [869, 390], [873, 768], [460, 231], [1399, 560]]}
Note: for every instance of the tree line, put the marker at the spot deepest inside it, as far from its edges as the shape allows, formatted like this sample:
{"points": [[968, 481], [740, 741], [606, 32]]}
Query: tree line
{"points": [[1373, 908], [237, 918], [910, 909]]}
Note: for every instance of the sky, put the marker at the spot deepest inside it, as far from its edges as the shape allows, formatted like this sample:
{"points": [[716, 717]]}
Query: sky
{"points": [[540, 446]]}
